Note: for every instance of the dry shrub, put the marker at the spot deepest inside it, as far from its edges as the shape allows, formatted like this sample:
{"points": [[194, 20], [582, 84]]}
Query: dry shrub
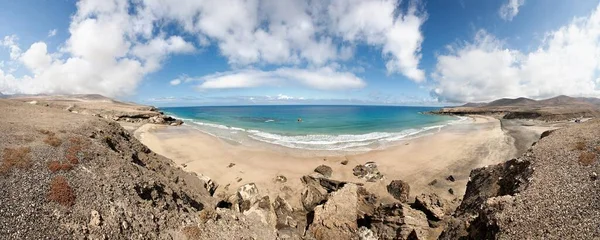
{"points": [[580, 145], [52, 140], [587, 158], [15, 157], [73, 152], [191, 232], [60, 192], [45, 132], [55, 166], [72, 155]]}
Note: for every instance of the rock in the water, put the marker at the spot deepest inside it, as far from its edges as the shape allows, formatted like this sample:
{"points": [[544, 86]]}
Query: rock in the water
{"points": [[95, 219], [451, 178], [325, 170], [399, 189], [432, 205], [368, 172], [336, 219]]}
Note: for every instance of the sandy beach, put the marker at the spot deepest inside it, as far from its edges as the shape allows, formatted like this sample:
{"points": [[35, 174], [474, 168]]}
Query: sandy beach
{"points": [[454, 150]]}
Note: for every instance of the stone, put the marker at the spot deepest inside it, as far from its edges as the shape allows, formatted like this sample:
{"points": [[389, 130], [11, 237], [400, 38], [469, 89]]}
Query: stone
{"points": [[95, 219], [399, 221], [247, 195], [262, 209], [280, 179], [451, 191], [451, 178], [594, 176], [366, 234], [433, 182], [368, 171], [230, 165], [336, 219], [285, 214], [325, 170], [432, 205], [312, 196], [399, 189], [209, 184], [345, 162]]}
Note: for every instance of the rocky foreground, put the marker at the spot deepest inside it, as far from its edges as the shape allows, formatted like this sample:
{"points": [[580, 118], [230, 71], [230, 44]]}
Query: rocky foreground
{"points": [[66, 175]]}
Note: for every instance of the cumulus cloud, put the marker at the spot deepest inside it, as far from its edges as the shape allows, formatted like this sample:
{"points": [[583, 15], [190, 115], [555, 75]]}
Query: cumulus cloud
{"points": [[324, 78], [113, 44], [510, 9], [567, 62], [175, 82], [106, 54]]}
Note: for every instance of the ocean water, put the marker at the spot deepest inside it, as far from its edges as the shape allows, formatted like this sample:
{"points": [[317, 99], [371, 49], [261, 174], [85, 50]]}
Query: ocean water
{"points": [[338, 128]]}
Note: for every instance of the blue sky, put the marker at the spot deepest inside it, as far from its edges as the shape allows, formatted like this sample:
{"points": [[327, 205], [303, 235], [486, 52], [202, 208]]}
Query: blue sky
{"points": [[260, 52]]}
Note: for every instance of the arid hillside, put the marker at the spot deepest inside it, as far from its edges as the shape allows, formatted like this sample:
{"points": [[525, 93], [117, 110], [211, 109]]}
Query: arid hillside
{"points": [[552, 109]]}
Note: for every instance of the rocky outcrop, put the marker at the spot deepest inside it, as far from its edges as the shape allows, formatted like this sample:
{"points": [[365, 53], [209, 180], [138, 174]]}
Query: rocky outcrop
{"points": [[324, 170], [399, 221], [488, 190], [336, 219], [432, 205], [368, 171], [399, 190]]}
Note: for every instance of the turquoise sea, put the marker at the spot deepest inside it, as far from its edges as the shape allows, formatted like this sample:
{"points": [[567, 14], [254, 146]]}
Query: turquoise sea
{"points": [[345, 128]]}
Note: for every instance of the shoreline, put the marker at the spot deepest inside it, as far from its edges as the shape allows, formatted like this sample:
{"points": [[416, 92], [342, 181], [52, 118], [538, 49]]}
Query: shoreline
{"points": [[458, 149]]}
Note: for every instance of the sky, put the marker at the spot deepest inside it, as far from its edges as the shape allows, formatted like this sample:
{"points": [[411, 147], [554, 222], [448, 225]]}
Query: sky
{"points": [[244, 52]]}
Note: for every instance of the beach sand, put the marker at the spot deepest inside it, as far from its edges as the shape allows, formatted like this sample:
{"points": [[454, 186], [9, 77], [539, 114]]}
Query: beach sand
{"points": [[454, 150]]}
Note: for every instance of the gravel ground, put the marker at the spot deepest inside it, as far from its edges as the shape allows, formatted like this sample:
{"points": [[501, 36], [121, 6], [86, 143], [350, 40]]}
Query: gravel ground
{"points": [[563, 198]]}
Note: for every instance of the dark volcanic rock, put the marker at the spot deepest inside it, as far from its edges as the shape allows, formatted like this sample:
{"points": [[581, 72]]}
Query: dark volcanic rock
{"points": [[399, 189], [324, 170], [451, 178]]}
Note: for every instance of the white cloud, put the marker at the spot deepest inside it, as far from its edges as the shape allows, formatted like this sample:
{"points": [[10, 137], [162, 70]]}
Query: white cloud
{"points": [[324, 78], [175, 82], [398, 34], [567, 62], [11, 43], [510, 9], [112, 44], [52, 33]]}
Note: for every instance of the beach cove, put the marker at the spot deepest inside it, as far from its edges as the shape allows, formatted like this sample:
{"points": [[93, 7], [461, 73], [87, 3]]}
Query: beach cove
{"points": [[424, 162]]}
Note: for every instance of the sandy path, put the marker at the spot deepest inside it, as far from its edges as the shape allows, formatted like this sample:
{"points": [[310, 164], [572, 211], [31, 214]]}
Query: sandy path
{"points": [[455, 150]]}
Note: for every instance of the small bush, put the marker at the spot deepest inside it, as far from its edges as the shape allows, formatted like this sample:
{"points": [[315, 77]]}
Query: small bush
{"points": [[55, 166], [60, 192], [587, 158], [191, 232], [15, 157], [580, 145], [72, 153], [52, 140]]}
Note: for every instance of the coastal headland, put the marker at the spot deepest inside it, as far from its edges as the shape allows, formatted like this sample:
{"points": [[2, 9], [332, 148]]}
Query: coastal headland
{"points": [[108, 169]]}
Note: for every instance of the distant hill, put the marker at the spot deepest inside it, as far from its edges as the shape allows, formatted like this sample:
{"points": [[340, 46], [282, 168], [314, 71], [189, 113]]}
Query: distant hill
{"points": [[557, 108], [512, 102]]}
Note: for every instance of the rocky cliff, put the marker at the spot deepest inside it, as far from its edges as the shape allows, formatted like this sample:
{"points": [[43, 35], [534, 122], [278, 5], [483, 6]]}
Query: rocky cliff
{"points": [[551, 192]]}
